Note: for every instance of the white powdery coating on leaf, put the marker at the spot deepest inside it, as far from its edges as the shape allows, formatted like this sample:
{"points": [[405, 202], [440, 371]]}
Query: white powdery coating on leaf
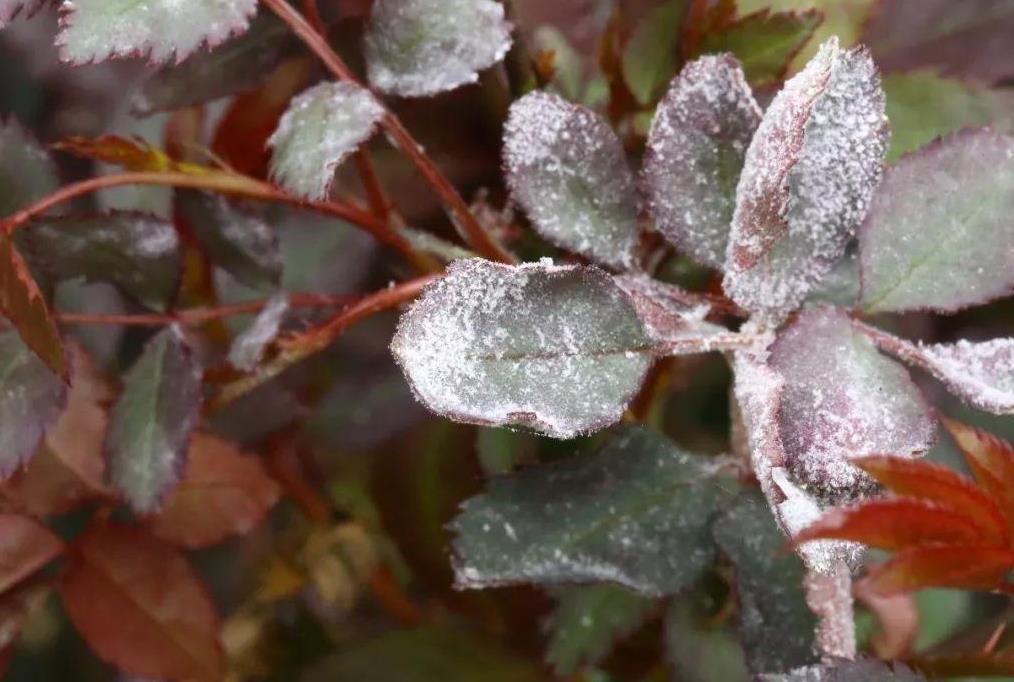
{"points": [[939, 235], [568, 170], [95, 30], [415, 48], [843, 399], [808, 181], [248, 348], [695, 154], [559, 349], [321, 127]]}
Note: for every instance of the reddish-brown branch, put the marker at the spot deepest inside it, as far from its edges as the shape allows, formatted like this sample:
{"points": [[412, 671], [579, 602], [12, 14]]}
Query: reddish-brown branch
{"points": [[467, 225], [371, 184]]}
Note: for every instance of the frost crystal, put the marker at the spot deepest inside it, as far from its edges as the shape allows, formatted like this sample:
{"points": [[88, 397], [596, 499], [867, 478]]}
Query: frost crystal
{"points": [[807, 182], [568, 169], [842, 399], [321, 127], [95, 30], [421, 47], [695, 154], [248, 348], [559, 349]]}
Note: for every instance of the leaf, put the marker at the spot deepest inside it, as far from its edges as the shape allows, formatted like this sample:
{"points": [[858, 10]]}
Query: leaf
{"points": [[137, 252], [776, 626], [130, 153], [923, 106], [991, 461], [26, 547], [558, 349], [22, 304], [321, 127], [96, 30], [649, 58], [567, 168], [501, 450], [151, 422], [423, 655], [31, 399], [239, 241], [970, 38], [240, 64], [140, 606], [699, 648], [968, 567], [695, 155], [587, 620], [807, 182], [223, 492], [842, 399], [938, 235], [579, 520], [9, 10], [27, 172], [248, 348], [764, 42], [863, 670], [415, 48]]}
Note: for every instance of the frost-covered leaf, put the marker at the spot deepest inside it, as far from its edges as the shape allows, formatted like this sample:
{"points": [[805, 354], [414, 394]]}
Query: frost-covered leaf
{"points": [[971, 38], [700, 645], [556, 348], [587, 620], [765, 42], [923, 106], [23, 305], [649, 58], [137, 252], [842, 399], [31, 398], [421, 47], [239, 241], [695, 153], [863, 670], [809, 177], [567, 168], [248, 348], [161, 30], [637, 512], [240, 64], [939, 234], [151, 422], [776, 626], [27, 547], [321, 127]]}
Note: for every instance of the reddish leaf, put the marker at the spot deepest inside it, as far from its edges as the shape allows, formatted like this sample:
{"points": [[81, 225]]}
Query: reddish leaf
{"points": [[224, 492], [133, 154], [932, 482], [25, 547], [140, 607], [968, 566], [22, 303], [991, 460], [893, 524]]}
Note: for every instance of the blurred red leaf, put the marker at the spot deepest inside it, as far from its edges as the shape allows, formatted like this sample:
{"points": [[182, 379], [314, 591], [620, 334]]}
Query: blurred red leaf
{"points": [[991, 461], [967, 566], [224, 492], [25, 547], [22, 303], [139, 605]]}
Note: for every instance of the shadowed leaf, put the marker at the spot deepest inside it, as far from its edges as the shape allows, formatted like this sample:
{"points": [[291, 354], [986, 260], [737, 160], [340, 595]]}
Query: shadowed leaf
{"points": [[699, 648], [649, 58], [850, 671], [25, 548], [968, 567]]}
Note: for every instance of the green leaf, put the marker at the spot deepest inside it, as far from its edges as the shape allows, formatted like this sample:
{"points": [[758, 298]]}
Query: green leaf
{"points": [[939, 234], [765, 42], [31, 399], [864, 670], [239, 241], [699, 649], [151, 422], [569, 171], [776, 626], [637, 512], [415, 48], [649, 59], [557, 349], [500, 450], [135, 251], [238, 65], [923, 106], [695, 155], [27, 172], [568, 63], [587, 620], [321, 127]]}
